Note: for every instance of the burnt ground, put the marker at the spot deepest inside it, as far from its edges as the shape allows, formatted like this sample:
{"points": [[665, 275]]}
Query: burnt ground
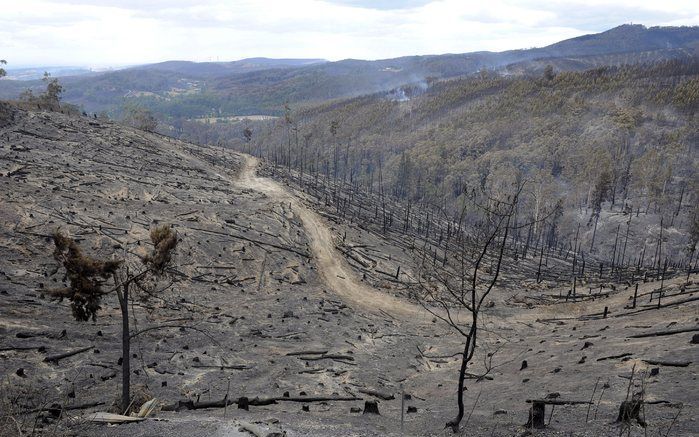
{"points": [[258, 275]]}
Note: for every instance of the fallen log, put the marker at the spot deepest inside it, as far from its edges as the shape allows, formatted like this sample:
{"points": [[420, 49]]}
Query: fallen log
{"points": [[611, 357], [102, 417], [350, 255], [257, 431], [557, 402], [252, 240], [316, 399], [655, 307], [187, 404], [668, 363], [309, 352], [222, 367], [23, 348], [58, 407], [377, 394], [23, 334], [56, 358], [327, 357], [478, 377], [662, 333]]}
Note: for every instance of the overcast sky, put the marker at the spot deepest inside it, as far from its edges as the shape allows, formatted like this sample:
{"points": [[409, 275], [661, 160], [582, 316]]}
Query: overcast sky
{"points": [[101, 33]]}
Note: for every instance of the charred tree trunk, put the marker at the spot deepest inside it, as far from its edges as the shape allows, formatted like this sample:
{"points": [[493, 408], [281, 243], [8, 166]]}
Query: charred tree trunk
{"points": [[454, 424], [125, 348], [537, 415]]}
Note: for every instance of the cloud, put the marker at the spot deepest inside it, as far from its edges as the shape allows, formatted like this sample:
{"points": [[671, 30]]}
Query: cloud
{"points": [[96, 32]]}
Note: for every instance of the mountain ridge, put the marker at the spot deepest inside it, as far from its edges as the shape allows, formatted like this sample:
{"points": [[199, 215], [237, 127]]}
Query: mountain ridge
{"points": [[177, 89]]}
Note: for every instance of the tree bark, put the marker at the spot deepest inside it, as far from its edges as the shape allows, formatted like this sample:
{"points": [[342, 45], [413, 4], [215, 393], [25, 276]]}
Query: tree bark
{"points": [[454, 423], [125, 349]]}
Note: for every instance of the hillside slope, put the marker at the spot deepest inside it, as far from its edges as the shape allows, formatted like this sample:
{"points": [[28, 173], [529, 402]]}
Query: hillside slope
{"points": [[617, 141], [250, 308]]}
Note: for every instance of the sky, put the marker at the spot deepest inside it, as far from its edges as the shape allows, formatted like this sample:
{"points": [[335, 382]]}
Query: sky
{"points": [[99, 33]]}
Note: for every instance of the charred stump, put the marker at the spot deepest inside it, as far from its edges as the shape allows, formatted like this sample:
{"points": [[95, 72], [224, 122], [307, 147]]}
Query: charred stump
{"points": [[537, 414], [629, 411], [371, 407]]}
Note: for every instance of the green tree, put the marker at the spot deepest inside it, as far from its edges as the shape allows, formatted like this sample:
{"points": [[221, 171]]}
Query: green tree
{"points": [[52, 96], [2, 70], [140, 118], [403, 186], [603, 187], [50, 99]]}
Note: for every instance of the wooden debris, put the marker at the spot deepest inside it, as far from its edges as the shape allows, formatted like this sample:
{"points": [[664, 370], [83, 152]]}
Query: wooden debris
{"points": [[308, 352], [663, 333], [112, 418], [147, 408], [258, 431], [192, 405], [668, 363], [327, 357], [56, 358], [612, 357], [377, 394]]}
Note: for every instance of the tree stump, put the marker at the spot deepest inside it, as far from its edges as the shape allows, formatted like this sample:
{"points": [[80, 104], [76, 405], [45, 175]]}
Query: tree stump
{"points": [[371, 407], [630, 410], [537, 414]]}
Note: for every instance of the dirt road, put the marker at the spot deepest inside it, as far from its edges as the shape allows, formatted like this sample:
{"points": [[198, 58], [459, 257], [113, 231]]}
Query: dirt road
{"points": [[332, 267], [334, 270]]}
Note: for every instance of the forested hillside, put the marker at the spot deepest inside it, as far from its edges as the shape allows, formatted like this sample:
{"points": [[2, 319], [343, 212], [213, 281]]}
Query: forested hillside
{"points": [[611, 143], [180, 91]]}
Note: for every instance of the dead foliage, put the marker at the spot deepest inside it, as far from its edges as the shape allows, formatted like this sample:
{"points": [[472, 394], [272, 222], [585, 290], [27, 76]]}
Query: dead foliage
{"points": [[86, 276], [164, 242]]}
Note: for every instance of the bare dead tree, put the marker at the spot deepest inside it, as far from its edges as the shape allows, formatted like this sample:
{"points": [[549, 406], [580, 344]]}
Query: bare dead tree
{"points": [[88, 276], [464, 284]]}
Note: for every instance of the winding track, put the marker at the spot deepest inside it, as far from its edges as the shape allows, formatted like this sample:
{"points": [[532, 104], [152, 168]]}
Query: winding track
{"points": [[334, 270], [332, 267]]}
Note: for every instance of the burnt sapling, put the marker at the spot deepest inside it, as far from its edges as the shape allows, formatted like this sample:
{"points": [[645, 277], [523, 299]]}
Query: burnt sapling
{"points": [[88, 278]]}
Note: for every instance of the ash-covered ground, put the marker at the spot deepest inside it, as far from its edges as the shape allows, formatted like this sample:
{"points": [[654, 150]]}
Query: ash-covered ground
{"points": [[263, 302]]}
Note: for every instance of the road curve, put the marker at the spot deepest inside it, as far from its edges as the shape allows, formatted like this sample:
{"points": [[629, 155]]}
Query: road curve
{"points": [[332, 267]]}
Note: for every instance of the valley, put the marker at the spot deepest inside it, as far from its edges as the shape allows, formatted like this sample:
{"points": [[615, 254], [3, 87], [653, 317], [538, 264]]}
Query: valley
{"points": [[288, 286]]}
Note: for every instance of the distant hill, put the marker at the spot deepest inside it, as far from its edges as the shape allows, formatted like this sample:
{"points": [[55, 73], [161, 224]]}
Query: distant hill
{"points": [[181, 89], [218, 69], [35, 73], [626, 38]]}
